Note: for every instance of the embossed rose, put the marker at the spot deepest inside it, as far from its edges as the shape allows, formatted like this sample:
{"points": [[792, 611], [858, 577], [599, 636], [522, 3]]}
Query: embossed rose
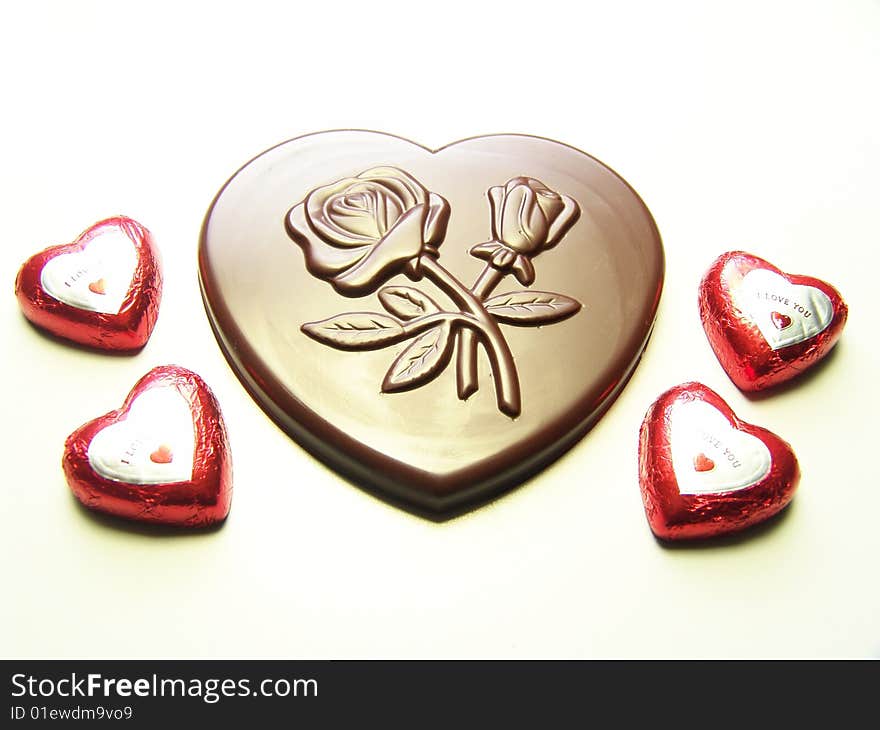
{"points": [[358, 232], [527, 218]]}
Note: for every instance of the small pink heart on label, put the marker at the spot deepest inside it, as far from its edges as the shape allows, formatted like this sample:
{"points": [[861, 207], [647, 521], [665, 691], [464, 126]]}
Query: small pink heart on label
{"points": [[780, 321], [703, 463], [98, 287], [162, 455]]}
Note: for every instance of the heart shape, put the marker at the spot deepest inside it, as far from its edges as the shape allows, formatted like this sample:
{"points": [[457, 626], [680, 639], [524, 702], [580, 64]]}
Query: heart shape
{"points": [[381, 302], [780, 321], [163, 457], [753, 476], [102, 290], [738, 459], [138, 449], [764, 325], [703, 463]]}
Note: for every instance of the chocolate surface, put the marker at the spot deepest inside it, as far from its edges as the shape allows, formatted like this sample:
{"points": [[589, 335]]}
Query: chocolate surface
{"points": [[435, 325]]}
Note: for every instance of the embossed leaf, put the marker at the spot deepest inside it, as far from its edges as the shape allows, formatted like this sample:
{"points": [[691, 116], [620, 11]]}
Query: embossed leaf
{"points": [[423, 359], [407, 302], [531, 308], [356, 331]]}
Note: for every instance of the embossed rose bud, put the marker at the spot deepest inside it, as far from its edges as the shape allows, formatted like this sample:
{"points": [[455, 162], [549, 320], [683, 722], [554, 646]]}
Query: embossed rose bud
{"points": [[358, 232], [527, 218]]}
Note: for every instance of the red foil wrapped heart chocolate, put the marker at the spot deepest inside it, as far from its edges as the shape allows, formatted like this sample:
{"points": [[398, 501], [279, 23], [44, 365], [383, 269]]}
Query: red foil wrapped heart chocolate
{"points": [[163, 457], [102, 290], [764, 325], [703, 472]]}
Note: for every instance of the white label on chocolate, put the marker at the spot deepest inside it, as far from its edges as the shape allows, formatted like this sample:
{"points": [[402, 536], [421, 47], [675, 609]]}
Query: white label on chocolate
{"points": [[154, 444], [96, 278], [785, 313], [709, 456]]}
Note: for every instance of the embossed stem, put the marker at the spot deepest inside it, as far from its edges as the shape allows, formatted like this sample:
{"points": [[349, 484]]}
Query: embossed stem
{"points": [[500, 358], [466, 368], [423, 324]]}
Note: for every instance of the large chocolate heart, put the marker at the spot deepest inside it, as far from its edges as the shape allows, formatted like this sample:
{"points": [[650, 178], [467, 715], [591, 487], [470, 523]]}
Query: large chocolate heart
{"points": [[437, 325]]}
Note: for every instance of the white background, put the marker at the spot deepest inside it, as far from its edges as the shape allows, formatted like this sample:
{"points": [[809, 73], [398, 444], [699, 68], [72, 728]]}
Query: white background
{"points": [[743, 125]]}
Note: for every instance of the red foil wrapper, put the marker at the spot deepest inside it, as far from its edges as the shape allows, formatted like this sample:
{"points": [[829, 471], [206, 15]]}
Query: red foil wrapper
{"points": [[102, 290], [764, 325], [163, 457], [703, 472]]}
